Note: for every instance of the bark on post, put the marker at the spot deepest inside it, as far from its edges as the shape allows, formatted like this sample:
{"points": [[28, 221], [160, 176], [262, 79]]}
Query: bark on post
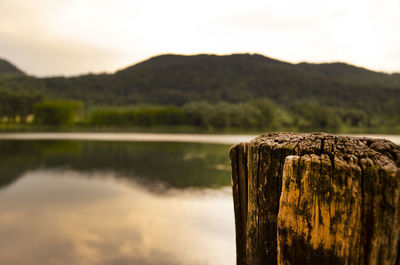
{"points": [[316, 199]]}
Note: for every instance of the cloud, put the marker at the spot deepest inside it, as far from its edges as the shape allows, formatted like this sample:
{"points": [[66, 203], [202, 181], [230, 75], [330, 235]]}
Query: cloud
{"points": [[55, 57], [71, 36], [74, 219], [53, 38]]}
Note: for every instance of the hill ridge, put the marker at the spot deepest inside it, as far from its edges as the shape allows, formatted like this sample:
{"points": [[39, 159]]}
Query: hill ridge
{"points": [[171, 79], [8, 68]]}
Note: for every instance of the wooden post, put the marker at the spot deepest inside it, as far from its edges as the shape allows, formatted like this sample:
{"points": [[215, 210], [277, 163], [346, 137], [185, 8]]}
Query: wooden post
{"points": [[316, 199]]}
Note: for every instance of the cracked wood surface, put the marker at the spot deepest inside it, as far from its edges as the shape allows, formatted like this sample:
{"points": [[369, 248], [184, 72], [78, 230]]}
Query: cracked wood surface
{"points": [[316, 199]]}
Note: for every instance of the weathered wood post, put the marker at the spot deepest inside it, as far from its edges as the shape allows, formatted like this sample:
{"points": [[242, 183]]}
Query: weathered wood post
{"points": [[316, 199]]}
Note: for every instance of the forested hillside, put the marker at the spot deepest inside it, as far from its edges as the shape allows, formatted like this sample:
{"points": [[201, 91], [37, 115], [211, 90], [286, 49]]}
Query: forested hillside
{"points": [[176, 79], [8, 68], [353, 95]]}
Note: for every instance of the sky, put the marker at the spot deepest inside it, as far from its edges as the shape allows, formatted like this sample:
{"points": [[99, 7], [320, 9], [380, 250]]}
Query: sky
{"points": [[70, 37]]}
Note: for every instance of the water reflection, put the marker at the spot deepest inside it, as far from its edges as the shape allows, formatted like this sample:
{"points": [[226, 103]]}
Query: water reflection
{"points": [[100, 203], [172, 164]]}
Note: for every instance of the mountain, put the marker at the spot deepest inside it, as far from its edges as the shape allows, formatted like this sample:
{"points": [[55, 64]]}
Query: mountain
{"points": [[351, 73], [177, 79], [8, 68]]}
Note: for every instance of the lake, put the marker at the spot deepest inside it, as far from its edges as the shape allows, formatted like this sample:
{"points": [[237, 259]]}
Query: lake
{"points": [[86, 198]]}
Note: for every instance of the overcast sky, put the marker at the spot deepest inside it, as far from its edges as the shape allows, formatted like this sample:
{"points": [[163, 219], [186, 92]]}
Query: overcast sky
{"points": [[67, 37]]}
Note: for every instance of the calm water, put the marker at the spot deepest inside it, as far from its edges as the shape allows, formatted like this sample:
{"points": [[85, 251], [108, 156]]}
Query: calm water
{"points": [[81, 201], [86, 202]]}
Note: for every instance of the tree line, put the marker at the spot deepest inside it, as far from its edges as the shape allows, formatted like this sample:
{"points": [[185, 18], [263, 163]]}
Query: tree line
{"points": [[178, 80], [259, 114], [17, 106]]}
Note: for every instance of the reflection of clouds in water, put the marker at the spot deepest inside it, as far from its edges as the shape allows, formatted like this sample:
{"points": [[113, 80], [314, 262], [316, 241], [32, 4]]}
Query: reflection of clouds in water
{"points": [[220, 167], [191, 156], [74, 220], [156, 258]]}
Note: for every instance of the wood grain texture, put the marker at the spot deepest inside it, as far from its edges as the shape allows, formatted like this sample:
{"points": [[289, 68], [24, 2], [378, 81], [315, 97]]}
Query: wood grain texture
{"points": [[316, 199]]}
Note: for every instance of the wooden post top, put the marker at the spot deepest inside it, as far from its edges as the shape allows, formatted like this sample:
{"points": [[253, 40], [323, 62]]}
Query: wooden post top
{"points": [[316, 199]]}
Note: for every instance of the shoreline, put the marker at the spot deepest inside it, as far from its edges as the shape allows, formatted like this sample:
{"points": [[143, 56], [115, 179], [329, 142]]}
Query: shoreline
{"points": [[156, 137]]}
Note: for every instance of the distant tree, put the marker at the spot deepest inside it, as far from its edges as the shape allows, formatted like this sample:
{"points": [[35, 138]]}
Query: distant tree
{"points": [[353, 117], [140, 116], [170, 115], [13, 104], [28, 102], [199, 113], [57, 112], [311, 116], [266, 107]]}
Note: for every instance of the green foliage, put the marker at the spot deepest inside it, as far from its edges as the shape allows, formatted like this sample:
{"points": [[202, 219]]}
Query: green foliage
{"points": [[178, 80], [7, 68], [13, 104], [235, 91], [353, 117], [313, 117], [199, 113], [146, 116], [260, 114], [254, 114], [57, 112]]}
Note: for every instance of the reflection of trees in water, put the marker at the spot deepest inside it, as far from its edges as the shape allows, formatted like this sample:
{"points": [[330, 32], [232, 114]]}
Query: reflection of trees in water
{"points": [[176, 165], [18, 157]]}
